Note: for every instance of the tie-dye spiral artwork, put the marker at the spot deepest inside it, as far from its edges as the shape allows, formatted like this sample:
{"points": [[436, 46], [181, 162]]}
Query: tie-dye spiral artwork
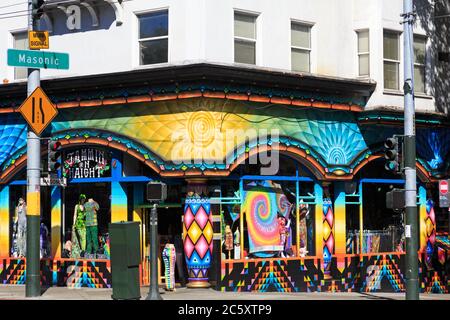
{"points": [[262, 203], [198, 240], [169, 258]]}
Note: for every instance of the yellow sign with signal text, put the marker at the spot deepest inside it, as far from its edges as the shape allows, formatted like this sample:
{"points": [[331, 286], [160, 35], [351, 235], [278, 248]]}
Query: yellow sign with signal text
{"points": [[38, 40]]}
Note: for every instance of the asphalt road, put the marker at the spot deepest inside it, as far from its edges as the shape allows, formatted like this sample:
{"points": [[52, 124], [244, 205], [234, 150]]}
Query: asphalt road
{"points": [[11, 292]]}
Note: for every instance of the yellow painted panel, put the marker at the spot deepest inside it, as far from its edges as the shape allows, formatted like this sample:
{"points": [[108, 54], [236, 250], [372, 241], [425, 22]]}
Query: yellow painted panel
{"points": [[34, 203], [339, 229], [319, 230]]}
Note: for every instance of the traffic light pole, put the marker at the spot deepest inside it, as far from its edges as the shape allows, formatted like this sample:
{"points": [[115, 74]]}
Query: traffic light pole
{"points": [[153, 293], [33, 281], [411, 218]]}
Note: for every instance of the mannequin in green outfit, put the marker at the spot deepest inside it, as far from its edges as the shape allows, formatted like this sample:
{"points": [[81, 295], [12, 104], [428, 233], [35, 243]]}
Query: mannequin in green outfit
{"points": [[91, 208], [79, 229]]}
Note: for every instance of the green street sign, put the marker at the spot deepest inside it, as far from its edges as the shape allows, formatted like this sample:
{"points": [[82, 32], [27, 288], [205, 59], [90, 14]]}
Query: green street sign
{"points": [[38, 59]]}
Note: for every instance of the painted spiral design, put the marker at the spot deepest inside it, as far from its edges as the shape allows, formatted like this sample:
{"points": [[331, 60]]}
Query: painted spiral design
{"points": [[201, 128], [262, 224]]}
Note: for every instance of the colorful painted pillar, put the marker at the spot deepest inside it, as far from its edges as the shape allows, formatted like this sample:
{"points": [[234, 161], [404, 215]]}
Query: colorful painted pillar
{"points": [[119, 200], [56, 221], [339, 218], [318, 192], [328, 234], [427, 226], [423, 215], [198, 234], [138, 199], [4, 221]]}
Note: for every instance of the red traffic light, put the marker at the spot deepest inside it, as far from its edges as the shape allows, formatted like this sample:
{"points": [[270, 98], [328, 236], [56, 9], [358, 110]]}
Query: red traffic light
{"points": [[54, 145]]}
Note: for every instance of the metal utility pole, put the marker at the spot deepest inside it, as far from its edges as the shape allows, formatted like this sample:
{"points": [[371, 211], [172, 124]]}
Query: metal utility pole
{"points": [[153, 293], [33, 278], [411, 218]]}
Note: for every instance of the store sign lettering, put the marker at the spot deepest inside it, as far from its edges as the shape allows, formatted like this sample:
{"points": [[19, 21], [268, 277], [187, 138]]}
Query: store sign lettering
{"points": [[86, 163], [73, 12]]}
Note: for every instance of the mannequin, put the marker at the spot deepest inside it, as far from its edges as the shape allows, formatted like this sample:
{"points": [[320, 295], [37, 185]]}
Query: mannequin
{"points": [[229, 241], [90, 209], [21, 216], [79, 229], [44, 241], [237, 241], [282, 230]]}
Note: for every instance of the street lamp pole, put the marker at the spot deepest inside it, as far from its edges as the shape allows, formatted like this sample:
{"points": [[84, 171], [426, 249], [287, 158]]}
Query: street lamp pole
{"points": [[411, 218], [153, 293], [33, 278]]}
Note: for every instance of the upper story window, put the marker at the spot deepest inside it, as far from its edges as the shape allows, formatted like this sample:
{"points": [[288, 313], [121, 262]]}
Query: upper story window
{"points": [[363, 53], [419, 63], [300, 47], [154, 37], [21, 43], [391, 59], [244, 38]]}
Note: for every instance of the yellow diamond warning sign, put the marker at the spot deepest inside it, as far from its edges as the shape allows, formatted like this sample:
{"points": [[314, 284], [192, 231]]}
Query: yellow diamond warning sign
{"points": [[38, 111]]}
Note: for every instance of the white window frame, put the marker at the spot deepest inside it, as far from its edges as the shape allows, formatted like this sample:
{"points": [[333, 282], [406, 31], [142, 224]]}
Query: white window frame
{"points": [[139, 40], [422, 65], [293, 48], [245, 39], [398, 62], [361, 53], [13, 36]]}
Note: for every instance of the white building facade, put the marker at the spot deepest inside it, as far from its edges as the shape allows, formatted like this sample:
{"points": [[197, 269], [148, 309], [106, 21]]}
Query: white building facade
{"points": [[204, 31]]}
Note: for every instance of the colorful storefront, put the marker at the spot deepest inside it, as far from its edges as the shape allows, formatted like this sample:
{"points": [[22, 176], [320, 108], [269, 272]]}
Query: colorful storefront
{"points": [[205, 130]]}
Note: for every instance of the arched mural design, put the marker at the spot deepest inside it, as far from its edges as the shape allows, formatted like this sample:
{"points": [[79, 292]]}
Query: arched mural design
{"points": [[206, 136]]}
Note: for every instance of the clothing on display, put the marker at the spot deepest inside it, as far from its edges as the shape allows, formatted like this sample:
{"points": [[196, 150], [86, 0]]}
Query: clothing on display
{"points": [[91, 207], [169, 258], [79, 230], [21, 228], [44, 241], [373, 241]]}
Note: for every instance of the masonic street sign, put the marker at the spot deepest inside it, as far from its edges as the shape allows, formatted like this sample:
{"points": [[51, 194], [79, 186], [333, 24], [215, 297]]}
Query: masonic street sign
{"points": [[38, 59]]}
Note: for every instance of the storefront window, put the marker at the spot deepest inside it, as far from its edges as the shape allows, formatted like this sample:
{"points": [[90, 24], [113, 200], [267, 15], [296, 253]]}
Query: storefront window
{"points": [[79, 220], [87, 203], [18, 222], [272, 225]]}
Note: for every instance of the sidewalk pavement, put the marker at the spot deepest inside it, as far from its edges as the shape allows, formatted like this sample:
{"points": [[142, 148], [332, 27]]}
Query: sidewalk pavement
{"points": [[17, 292]]}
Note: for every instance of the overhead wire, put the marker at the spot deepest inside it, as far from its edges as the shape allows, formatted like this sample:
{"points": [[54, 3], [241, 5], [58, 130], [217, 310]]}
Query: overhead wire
{"points": [[13, 5]]}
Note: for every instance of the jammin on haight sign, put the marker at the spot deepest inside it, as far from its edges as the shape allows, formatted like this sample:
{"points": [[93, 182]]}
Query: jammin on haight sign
{"points": [[86, 163]]}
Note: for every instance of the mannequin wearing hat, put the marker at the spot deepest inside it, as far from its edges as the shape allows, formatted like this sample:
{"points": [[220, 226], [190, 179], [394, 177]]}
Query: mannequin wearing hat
{"points": [[79, 229]]}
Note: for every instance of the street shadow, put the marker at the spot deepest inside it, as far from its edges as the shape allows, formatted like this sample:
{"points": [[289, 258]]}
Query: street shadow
{"points": [[44, 289], [374, 297]]}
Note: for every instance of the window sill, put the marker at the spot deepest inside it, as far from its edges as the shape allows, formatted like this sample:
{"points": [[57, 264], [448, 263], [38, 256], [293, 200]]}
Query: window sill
{"points": [[423, 96], [393, 92], [400, 93]]}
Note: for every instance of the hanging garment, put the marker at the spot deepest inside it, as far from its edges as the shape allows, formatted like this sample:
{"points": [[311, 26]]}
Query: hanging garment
{"points": [[376, 243]]}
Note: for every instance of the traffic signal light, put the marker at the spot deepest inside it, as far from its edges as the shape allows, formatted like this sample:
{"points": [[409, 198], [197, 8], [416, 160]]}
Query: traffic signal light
{"points": [[391, 154], [54, 156], [38, 9]]}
